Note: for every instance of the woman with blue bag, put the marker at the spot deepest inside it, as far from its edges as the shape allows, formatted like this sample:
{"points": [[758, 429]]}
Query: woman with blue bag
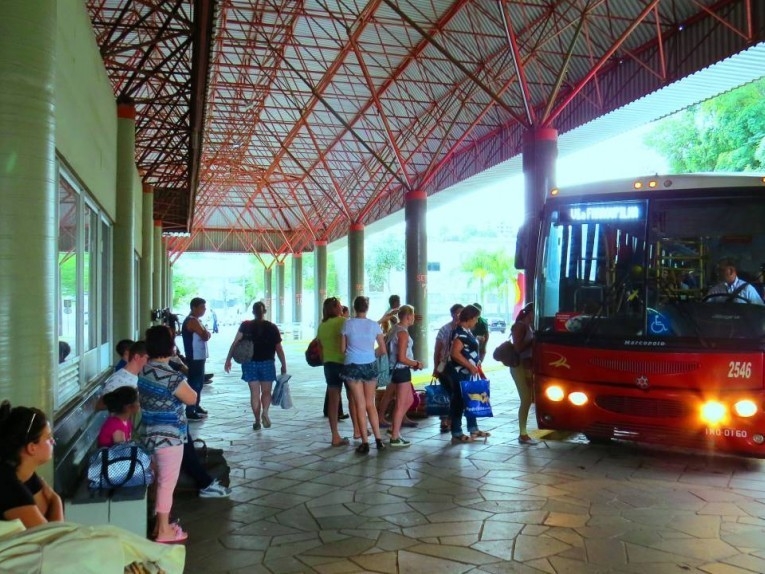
{"points": [[464, 363]]}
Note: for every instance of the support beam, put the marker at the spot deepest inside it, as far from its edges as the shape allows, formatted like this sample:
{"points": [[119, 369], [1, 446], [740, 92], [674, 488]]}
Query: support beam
{"points": [[355, 262], [146, 302], [320, 270]]}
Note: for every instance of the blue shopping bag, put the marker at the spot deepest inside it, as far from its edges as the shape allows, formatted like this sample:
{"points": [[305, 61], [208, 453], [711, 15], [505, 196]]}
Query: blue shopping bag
{"points": [[475, 395], [436, 400]]}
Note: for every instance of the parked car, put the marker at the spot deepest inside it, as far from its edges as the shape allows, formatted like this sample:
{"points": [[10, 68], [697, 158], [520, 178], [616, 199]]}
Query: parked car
{"points": [[497, 325]]}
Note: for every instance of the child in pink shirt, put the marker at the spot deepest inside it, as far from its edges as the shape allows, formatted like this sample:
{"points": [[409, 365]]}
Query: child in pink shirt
{"points": [[122, 404]]}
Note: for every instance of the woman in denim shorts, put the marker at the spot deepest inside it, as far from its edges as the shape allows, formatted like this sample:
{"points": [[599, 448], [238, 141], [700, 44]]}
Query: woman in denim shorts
{"points": [[359, 335], [260, 372], [401, 358]]}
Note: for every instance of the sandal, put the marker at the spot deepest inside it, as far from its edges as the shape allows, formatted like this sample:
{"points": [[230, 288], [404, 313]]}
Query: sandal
{"points": [[363, 448], [343, 442], [462, 438], [480, 434], [178, 535]]}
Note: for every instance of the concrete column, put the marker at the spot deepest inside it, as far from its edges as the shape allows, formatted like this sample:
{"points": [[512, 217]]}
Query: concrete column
{"points": [[170, 289], [28, 227], [147, 258], [540, 150], [159, 264], [268, 296], [320, 264], [124, 240], [415, 209], [297, 287], [355, 262], [279, 306], [167, 275]]}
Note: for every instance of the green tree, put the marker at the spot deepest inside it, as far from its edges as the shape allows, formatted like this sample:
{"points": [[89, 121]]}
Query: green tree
{"points": [[726, 133], [387, 256], [477, 266]]}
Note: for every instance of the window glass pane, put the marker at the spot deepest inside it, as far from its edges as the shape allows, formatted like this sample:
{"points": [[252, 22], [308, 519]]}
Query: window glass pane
{"points": [[589, 278], [90, 277], [105, 272], [67, 265]]}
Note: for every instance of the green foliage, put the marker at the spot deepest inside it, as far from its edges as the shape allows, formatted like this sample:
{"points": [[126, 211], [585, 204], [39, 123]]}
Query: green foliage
{"points": [[387, 255], [726, 133], [492, 270]]}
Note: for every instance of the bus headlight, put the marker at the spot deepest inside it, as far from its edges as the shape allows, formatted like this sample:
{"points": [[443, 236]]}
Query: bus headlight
{"points": [[554, 393], [578, 398], [712, 412], [745, 408]]}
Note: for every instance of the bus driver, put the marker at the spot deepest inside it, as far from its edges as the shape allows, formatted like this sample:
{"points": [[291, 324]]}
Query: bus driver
{"points": [[732, 288]]}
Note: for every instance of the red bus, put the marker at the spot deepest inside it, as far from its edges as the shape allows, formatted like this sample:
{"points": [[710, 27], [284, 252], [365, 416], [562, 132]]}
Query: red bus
{"points": [[636, 336]]}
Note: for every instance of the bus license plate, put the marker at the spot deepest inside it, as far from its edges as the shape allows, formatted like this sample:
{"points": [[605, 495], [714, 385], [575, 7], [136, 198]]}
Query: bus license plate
{"points": [[726, 432]]}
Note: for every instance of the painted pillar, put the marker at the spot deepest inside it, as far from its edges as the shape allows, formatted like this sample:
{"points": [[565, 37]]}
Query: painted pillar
{"points": [[268, 296], [279, 313], [297, 287], [157, 283], [355, 262], [320, 264], [147, 258], [540, 150], [28, 226], [124, 240], [415, 209]]}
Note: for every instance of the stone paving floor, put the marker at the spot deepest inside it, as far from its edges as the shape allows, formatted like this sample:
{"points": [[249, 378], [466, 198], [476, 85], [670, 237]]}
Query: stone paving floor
{"points": [[299, 505]]}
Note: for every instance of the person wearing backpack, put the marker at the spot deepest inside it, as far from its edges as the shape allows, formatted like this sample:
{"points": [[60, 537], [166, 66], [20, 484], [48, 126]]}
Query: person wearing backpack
{"points": [[523, 337]]}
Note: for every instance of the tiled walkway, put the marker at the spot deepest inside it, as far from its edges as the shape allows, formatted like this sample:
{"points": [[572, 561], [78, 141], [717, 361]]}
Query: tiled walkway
{"points": [[299, 505]]}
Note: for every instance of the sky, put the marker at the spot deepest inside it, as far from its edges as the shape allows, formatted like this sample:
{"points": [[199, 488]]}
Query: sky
{"points": [[623, 156]]}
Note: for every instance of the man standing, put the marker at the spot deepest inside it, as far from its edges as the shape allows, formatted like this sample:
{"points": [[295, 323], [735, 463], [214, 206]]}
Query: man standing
{"points": [[481, 332], [195, 337]]}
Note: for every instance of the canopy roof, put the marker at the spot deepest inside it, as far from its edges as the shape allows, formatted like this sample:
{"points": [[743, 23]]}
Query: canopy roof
{"points": [[265, 125]]}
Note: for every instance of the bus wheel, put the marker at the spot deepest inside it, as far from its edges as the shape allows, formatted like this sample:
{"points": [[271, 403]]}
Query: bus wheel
{"points": [[597, 439]]}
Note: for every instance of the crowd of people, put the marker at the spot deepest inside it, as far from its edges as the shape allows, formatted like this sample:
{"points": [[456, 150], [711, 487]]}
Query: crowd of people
{"points": [[154, 392]]}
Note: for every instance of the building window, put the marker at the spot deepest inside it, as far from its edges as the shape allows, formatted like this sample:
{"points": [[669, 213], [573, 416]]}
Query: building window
{"points": [[84, 287]]}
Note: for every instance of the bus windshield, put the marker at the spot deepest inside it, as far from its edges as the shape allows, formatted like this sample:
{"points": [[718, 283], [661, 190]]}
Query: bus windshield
{"points": [[653, 268]]}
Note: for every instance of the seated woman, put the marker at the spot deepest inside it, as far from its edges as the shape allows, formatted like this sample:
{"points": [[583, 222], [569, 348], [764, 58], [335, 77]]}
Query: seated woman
{"points": [[26, 442], [122, 404]]}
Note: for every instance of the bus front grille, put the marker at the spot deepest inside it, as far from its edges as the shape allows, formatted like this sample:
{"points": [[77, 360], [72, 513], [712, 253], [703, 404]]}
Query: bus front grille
{"points": [[641, 367], [642, 407]]}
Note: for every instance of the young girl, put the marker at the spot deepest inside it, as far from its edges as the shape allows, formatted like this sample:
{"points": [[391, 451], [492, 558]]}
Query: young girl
{"points": [[122, 404], [402, 361]]}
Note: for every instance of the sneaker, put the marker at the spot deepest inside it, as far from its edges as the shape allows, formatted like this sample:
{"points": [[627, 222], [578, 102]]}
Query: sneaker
{"points": [[195, 417], [201, 411], [215, 490], [266, 421], [399, 442], [256, 425]]}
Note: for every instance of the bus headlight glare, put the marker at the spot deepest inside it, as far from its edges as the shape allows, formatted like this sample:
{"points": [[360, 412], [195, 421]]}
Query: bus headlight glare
{"points": [[554, 393], [577, 398], [745, 408], [712, 412]]}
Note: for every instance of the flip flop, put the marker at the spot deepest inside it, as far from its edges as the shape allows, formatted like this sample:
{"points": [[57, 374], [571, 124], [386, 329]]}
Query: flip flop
{"points": [[462, 438], [177, 536], [480, 434], [343, 442]]}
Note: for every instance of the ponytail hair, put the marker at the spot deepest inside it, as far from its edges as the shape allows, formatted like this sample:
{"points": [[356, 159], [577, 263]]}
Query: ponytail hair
{"points": [[18, 427]]}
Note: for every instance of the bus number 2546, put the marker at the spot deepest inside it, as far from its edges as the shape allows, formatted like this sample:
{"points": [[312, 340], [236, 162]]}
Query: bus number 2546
{"points": [[739, 370]]}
